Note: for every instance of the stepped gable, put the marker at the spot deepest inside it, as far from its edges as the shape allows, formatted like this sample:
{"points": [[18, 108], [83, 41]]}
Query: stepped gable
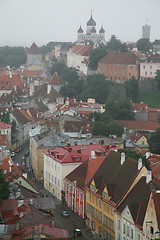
{"points": [[56, 80], [115, 176], [119, 58], [34, 49]]}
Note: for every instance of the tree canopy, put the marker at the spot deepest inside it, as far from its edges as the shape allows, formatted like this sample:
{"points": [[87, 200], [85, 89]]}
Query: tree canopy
{"points": [[4, 187], [12, 56], [96, 54], [154, 142], [157, 79], [120, 110], [115, 44], [143, 44], [132, 89]]}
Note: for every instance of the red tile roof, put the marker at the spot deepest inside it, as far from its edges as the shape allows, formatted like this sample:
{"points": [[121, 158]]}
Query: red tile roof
{"points": [[56, 80], [34, 49], [139, 125], [140, 107], [32, 73], [156, 198], [49, 231], [11, 168], [138, 135], [4, 125], [83, 50], [119, 58], [28, 116], [139, 54], [7, 82]]}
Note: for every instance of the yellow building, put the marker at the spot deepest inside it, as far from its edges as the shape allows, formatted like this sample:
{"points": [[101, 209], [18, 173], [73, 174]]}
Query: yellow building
{"points": [[140, 142], [114, 179]]}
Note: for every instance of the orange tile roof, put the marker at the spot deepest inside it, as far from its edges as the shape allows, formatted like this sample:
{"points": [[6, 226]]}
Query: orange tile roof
{"points": [[139, 125], [83, 50], [32, 73], [4, 125], [119, 58], [7, 82], [56, 80]]}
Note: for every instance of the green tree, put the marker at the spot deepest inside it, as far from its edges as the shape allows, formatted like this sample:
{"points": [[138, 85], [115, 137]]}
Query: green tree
{"points": [[115, 44], [4, 187], [5, 117], [143, 45], [96, 54], [120, 110], [157, 79], [154, 142], [132, 89]]}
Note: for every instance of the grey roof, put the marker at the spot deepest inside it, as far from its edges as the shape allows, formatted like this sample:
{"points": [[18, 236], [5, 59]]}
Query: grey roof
{"points": [[41, 106], [80, 30], [21, 119], [45, 203], [102, 30], [91, 22], [93, 30]]}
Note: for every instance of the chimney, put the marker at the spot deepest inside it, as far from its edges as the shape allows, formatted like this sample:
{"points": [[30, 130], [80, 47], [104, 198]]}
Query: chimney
{"points": [[93, 156], [79, 151], [122, 158], [10, 76], [139, 163], [148, 154], [149, 176]]}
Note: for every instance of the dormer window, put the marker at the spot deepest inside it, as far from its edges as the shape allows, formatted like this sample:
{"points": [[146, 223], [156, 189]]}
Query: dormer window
{"points": [[8, 83], [3, 83]]}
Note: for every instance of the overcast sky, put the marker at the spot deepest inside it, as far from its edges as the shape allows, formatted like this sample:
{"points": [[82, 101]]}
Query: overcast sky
{"points": [[41, 21]]}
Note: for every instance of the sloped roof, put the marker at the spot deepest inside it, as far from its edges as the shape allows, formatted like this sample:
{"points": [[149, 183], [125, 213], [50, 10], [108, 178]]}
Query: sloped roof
{"points": [[41, 106], [40, 91], [156, 198], [83, 50], [56, 80], [9, 81], [117, 177], [33, 113], [32, 73], [139, 125], [53, 95], [137, 201], [19, 116], [91, 22], [4, 125], [119, 58], [28, 116], [34, 49]]}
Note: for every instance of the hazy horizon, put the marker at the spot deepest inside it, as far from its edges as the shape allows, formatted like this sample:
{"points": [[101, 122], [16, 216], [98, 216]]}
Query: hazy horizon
{"points": [[24, 21]]}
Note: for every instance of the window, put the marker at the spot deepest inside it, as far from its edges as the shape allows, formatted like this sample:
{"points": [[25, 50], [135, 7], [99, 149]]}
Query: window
{"points": [[119, 236], [145, 73], [67, 186], [96, 213], [77, 207], [108, 222], [93, 225], [87, 207], [111, 224], [49, 163], [100, 216], [81, 210], [81, 197], [151, 73], [127, 231], [112, 211], [49, 176], [124, 228], [58, 183], [131, 67], [119, 223], [143, 66], [111, 72], [100, 203], [55, 167], [90, 197], [150, 66], [52, 165], [55, 180], [108, 209], [105, 206], [152, 230], [105, 219], [93, 199], [58, 169], [139, 236], [93, 212], [100, 231], [77, 193], [70, 188], [97, 201], [131, 233], [129, 74]]}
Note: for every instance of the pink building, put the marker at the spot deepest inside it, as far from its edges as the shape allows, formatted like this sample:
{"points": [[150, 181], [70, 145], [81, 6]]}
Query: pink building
{"points": [[148, 69]]}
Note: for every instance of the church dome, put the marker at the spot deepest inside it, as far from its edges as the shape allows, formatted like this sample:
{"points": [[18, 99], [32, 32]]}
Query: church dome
{"points": [[93, 30], [91, 22], [101, 30], [80, 30]]}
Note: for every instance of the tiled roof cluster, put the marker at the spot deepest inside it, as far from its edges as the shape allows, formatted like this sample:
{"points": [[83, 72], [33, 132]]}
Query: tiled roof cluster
{"points": [[9, 81]]}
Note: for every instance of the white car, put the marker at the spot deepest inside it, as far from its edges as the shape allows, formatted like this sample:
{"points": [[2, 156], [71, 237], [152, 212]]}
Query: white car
{"points": [[65, 214]]}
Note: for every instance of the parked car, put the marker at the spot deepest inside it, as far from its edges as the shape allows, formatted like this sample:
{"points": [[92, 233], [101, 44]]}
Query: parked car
{"points": [[78, 232], [65, 214], [27, 153], [12, 154], [23, 158]]}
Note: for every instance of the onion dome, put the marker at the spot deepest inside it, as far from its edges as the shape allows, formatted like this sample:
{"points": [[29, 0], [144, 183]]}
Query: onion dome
{"points": [[91, 22], [93, 30], [101, 30], [80, 30]]}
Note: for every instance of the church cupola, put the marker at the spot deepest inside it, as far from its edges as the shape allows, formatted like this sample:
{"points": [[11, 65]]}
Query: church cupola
{"points": [[102, 30], [93, 30], [80, 30], [91, 22]]}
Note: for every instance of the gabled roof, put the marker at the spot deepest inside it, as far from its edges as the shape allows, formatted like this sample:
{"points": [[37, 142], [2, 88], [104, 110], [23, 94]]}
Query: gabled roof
{"points": [[19, 116], [56, 80], [41, 106], [83, 173], [7, 82], [139, 54], [33, 112], [32, 73], [119, 58], [28, 116], [34, 49], [139, 125], [83, 50], [138, 136], [137, 201], [53, 95], [115, 176], [4, 125], [156, 198]]}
